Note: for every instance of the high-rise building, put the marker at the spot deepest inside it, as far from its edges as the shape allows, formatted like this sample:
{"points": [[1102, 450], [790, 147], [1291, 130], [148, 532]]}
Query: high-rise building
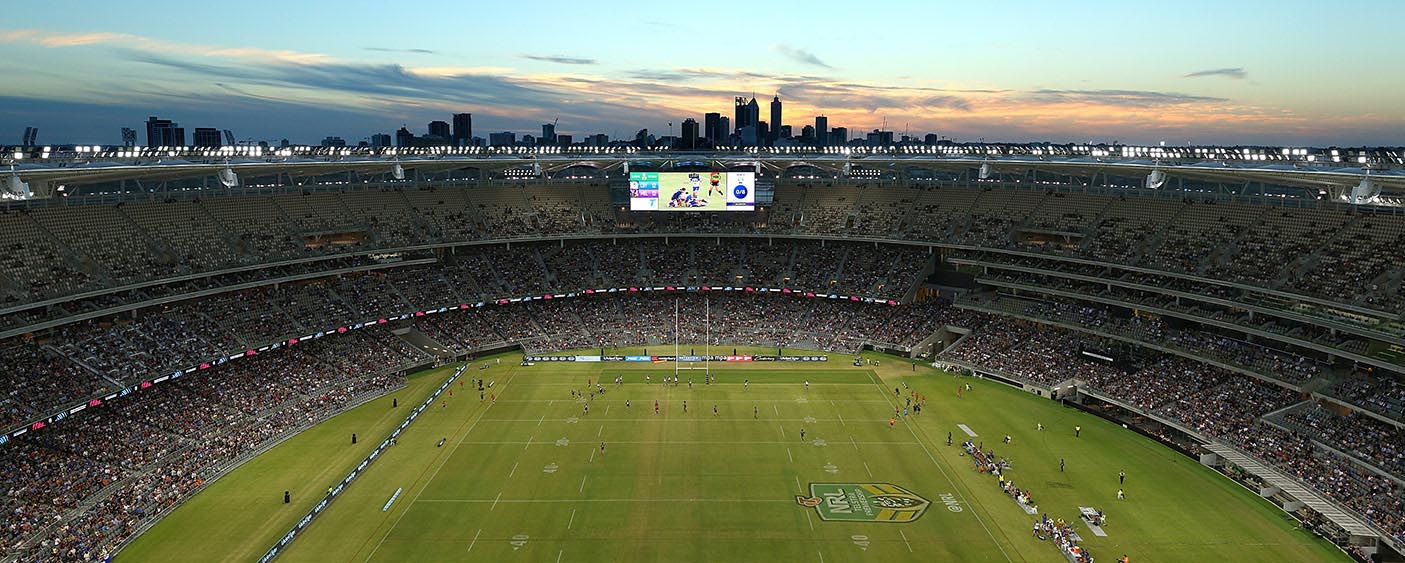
{"points": [[207, 137], [564, 140], [878, 138], [333, 142], [775, 124], [380, 140], [808, 133], [724, 130], [748, 113], [404, 138], [747, 135], [548, 134], [463, 129], [690, 134], [164, 133], [839, 136], [763, 132], [503, 139], [712, 123], [439, 129], [129, 137], [821, 130], [31, 136], [785, 132]]}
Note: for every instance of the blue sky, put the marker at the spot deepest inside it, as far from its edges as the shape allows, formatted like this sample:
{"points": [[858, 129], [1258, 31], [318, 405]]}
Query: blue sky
{"points": [[1283, 72]]}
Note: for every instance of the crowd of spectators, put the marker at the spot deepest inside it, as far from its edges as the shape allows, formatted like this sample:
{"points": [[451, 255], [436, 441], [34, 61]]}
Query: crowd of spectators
{"points": [[1154, 331], [1379, 499], [124, 463], [1372, 440], [1380, 394]]}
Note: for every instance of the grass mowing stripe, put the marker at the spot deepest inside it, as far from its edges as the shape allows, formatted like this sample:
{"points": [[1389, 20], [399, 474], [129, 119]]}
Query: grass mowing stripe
{"points": [[443, 461], [907, 424], [604, 500]]}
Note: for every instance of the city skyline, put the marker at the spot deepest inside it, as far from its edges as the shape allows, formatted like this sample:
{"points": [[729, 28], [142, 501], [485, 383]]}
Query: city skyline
{"points": [[1199, 73]]}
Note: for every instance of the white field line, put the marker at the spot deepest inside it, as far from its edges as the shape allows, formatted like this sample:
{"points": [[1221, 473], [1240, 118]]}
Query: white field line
{"points": [[907, 423], [495, 501], [909, 545], [870, 471], [475, 539], [514, 470], [436, 472], [787, 454], [582, 489], [572, 520], [696, 442]]}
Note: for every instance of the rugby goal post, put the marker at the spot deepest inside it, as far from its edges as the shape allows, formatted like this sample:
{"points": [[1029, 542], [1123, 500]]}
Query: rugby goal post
{"points": [[707, 341]]}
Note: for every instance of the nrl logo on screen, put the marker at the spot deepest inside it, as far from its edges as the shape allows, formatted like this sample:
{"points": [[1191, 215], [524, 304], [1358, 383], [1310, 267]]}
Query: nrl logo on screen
{"points": [[864, 502]]}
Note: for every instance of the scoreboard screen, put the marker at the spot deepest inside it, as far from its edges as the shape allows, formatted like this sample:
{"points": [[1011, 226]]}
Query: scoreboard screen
{"points": [[692, 191]]}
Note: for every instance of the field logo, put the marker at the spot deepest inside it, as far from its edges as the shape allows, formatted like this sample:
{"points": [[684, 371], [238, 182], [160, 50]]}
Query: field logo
{"points": [[864, 502]]}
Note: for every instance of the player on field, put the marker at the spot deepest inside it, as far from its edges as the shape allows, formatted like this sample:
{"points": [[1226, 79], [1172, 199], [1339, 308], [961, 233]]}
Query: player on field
{"points": [[656, 406], [685, 407], [802, 434], [714, 409], [755, 412]]}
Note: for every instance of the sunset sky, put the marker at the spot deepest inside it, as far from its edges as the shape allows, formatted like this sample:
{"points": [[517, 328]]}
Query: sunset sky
{"points": [[1239, 72]]}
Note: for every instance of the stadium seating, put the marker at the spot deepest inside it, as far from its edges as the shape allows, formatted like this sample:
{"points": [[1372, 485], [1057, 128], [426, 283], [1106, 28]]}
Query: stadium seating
{"points": [[1225, 310]]}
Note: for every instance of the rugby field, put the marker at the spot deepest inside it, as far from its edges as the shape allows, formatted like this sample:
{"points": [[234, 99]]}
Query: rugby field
{"points": [[524, 478]]}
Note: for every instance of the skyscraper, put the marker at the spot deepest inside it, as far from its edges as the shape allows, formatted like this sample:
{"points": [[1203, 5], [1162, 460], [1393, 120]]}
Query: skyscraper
{"points": [[839, 136], [404, 138], [439, 129], [380, 140], [712, 127], [503, 139], [129, 137], [206, 137], [164, 133], [548, 134], [690, 134], [821, 130], [748, 113], [775, 124], [724, 130], [463, 129]]}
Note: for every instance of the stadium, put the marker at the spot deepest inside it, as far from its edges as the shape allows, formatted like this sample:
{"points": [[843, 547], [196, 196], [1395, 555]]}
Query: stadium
{"points": [[970, 352]]}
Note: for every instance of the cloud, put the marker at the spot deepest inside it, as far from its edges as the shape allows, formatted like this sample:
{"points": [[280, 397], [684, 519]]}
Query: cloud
{"points": [[561, 59], [1123, 98], [1235, 73], [801, 56], [60, 40], [413, 51]]}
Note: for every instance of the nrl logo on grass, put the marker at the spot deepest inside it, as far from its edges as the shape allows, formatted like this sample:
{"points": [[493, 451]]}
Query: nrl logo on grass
{"points": [[864, 502]]}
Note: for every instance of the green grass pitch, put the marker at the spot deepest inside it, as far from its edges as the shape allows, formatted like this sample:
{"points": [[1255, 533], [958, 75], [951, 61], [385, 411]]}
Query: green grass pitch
{"points": [[523, 479]]}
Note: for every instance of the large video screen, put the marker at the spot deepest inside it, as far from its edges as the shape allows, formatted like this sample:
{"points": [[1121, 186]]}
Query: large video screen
{"points": [[692, 191]]}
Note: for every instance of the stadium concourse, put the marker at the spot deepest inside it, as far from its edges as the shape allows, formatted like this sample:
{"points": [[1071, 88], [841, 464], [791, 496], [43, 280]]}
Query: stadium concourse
{"points": [[153, 342]]}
